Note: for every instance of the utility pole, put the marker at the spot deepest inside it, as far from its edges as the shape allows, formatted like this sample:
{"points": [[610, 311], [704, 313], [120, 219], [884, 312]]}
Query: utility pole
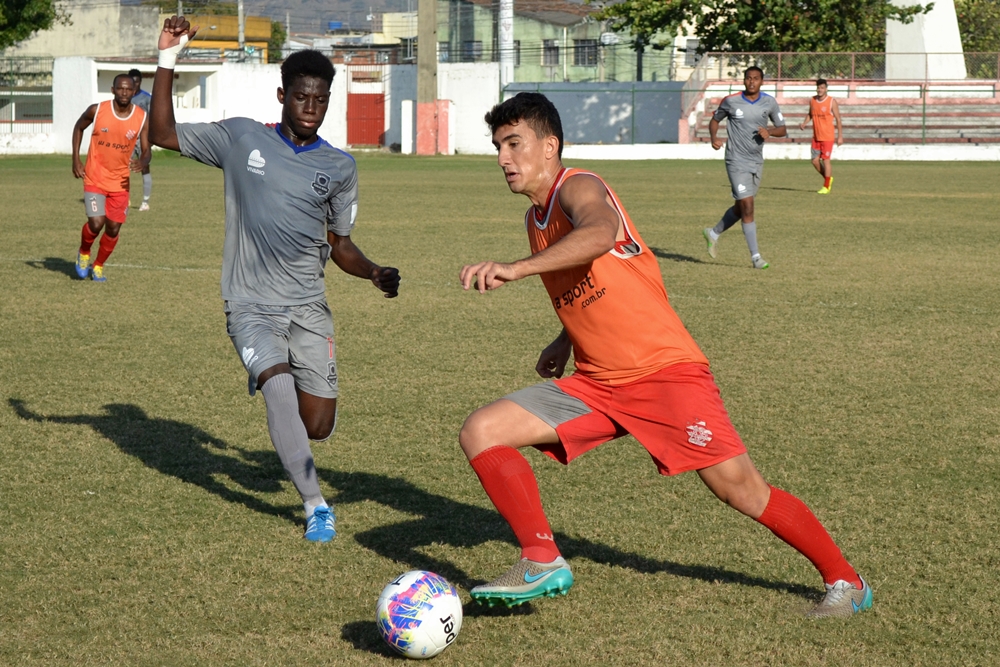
{"points": [[241, 18], [506, 43], [180, 7], [427, 130], [640, 46]]}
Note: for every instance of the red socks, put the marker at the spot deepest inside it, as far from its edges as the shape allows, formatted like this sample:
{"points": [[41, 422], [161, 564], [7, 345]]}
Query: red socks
{"points": [[788, 517], [509, 482], [87, 238], [108, 244], [827, 181]]}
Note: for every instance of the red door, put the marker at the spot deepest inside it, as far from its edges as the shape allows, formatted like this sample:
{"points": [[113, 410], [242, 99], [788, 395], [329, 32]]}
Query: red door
{"points": [[365, 119]]}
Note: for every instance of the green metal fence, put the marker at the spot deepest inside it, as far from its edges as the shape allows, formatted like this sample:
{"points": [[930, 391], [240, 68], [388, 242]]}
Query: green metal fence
{"points": [[25, 95]]}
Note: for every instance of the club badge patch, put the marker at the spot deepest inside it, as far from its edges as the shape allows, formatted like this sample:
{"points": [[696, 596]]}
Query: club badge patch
{"points": [[321, 184]]}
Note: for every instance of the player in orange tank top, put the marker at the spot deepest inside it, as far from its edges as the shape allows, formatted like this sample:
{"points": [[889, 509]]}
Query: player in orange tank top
{"points": [[118, 125], [824, 112], [638, 372]]}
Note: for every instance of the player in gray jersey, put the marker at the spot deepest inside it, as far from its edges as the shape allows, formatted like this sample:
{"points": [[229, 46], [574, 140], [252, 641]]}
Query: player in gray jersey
{"points": [[747, 113], [291, 202], [141, 99]]}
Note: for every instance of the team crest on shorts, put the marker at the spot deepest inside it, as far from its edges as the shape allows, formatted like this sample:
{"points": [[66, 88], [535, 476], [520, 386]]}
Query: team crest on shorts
{"points": [[698, 434], [332, 374]]}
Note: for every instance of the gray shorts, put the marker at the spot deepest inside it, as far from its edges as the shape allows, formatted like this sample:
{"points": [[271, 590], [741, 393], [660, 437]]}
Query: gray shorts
{"points": [[744, 179], [300, 336], [549, 403]]}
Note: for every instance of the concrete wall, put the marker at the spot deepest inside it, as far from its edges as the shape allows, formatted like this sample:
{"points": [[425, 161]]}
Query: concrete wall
{"points": [[930, 47], [99, 29], [472, 89]]}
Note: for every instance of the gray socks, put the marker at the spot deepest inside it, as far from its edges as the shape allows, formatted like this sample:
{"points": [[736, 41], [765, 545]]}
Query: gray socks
{"points": [[750, 232], [729, 218], [147, 186], [288, 434]]}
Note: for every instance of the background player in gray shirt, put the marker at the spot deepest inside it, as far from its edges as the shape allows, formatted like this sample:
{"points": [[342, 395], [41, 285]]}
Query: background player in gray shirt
{"points": [[747, 114], [291, 201], [142, 99]]}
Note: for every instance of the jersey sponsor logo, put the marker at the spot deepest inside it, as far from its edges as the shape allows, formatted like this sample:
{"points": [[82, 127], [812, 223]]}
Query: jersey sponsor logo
{"points": [[585, 288], [321, 184], [255, 162], [248, 356], [698, 434], [738, 114]]}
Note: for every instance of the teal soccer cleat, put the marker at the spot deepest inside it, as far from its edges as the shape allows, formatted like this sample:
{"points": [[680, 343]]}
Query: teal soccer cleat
{"points": [[843, 599], [526, 581]]}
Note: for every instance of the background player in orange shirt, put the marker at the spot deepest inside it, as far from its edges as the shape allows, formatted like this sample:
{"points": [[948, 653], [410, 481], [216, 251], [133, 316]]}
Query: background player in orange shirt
{"points": [[823, 112], [638, 371], [118, 124]]}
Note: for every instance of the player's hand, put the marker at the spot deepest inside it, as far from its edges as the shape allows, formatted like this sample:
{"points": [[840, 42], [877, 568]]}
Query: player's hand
{"points": [[552, 361], [802, 126], [78, 168], [486, 275], [717, 143], [135, 165], [764, 134], [174, 28], [386, 278], [840, 141]]}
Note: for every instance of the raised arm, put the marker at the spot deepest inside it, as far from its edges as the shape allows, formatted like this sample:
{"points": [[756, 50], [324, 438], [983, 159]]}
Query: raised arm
{"points": [[86, 118], [349, 259], [162, 126], [596, 222]]}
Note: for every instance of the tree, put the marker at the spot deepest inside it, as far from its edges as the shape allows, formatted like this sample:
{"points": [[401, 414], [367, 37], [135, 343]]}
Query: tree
{"points": [[979, 23], [20, 18], [762, 25]]}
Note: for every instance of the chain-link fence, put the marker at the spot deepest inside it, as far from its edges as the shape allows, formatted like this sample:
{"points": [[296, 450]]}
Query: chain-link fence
{"points": [[25, 95]]}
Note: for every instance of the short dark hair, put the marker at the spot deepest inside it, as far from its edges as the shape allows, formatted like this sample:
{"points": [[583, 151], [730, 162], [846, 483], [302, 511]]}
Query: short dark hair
{"points": [[534, 109], [821, 82], [306, 63], [753, 68], [114, 83], [135, 73]]}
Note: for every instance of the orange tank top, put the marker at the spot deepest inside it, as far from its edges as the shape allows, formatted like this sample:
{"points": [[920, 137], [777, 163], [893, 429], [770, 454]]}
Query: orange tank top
{"points": [[614, 309], [822, 117], [111, 144]]}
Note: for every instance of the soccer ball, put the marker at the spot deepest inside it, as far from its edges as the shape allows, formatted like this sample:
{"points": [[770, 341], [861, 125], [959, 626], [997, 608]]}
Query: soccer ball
{"points": [[419, 614]]}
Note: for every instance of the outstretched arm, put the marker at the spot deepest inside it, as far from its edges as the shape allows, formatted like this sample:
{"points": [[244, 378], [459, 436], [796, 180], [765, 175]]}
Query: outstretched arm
{"points": [[86, 118], [349, 259], [585, 200], [162, 126]]}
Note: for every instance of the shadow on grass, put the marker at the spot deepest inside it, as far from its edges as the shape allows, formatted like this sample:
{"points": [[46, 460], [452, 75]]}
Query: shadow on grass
{"points": [[674, 257], [56, 265], [364, 636], [192, 455]]}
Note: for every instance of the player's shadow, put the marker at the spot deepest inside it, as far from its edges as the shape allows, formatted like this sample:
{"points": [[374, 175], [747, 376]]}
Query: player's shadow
{"points": [[56, 265], [182, 451], [441, 520], [194, 456], [771, 187], [674, 257]]}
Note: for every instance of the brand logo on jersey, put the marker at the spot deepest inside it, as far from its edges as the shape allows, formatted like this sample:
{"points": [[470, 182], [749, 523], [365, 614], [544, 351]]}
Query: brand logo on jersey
{"points": [[739, 113], [104, 129], [321, 184], [698, 434], [781, 116], [741, 188], [248, 356], [130, 135], [255, 162]]}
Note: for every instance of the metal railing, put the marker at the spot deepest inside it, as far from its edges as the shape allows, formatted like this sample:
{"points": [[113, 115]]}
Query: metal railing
{"points": [[25, 95]]}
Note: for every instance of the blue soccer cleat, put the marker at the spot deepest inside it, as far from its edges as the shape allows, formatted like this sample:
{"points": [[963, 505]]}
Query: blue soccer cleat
{"points": [[97, 274], [526, 581], [321, 526], [82, 265]]}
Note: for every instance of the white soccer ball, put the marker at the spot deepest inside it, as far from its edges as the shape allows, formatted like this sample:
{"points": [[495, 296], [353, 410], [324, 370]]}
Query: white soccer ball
{"points": [[419, 614]]}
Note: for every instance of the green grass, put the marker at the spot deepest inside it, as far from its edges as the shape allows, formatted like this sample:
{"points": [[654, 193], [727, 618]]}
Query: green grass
{"points": [[147, 520]]}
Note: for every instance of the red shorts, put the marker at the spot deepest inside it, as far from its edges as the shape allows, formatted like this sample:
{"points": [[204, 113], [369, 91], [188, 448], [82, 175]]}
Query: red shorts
{"points": [[676, 414], [822, 149], [112, 205]]}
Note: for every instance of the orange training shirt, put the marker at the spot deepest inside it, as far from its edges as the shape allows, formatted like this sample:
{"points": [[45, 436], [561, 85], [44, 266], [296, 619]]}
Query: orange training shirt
{"points": [[614, 309], [111, 145], [822, 116]]}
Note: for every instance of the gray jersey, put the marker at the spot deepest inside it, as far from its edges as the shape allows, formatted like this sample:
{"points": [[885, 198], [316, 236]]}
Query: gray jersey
{"points": [[743, 145], [142, 99], [281, 200]]}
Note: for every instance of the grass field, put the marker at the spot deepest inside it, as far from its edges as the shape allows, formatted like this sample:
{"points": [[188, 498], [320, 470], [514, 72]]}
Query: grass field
{"points": [[147, 520]]}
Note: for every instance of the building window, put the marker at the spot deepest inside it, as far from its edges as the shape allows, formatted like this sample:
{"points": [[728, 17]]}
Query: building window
{"points": [[472, 51], [550, 52], [409, 48], [585, 52], [444, 52], [691, 56]]}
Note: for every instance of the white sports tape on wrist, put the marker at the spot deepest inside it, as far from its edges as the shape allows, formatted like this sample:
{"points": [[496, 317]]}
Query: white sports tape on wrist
{"points": [[168, 57]]}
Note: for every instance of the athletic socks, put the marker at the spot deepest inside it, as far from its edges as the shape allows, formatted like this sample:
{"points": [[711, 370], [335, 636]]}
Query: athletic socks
{"points": [[729, 218], [510, 483], [827, 182], [788, 517], [289, 436], [750, 233], [147, 186], [312, 505], [108, 244], [87, 238]]}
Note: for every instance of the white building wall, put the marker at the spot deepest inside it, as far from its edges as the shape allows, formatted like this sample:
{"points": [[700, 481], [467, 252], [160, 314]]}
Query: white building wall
{"points": [[930, 47], [472, 89], [98, 28]]}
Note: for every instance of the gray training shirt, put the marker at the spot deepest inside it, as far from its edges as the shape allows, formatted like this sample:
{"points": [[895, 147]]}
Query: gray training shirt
{"points": [[280, 201], [743, 145]]}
